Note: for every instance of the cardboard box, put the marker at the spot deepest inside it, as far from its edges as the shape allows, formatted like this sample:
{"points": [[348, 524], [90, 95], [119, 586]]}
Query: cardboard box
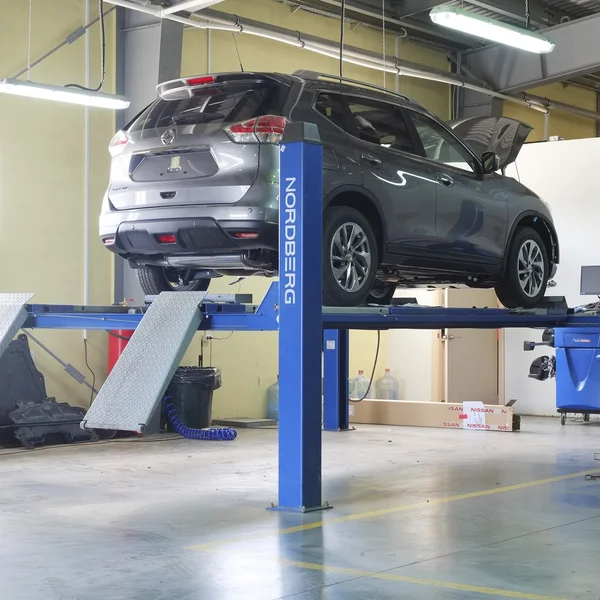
{"points": [[470, 415]]}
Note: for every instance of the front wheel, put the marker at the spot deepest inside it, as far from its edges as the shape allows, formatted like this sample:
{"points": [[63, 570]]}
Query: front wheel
{"points": [[527, 271], [155, 280], [350, 259]]}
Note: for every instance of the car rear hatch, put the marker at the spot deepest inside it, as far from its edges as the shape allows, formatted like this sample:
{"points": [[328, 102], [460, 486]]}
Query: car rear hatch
{"points": [[500, 135], [198, 142]]}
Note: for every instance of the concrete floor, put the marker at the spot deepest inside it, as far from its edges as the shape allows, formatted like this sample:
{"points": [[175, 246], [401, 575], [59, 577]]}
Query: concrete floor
{"points": [[419, 513]]}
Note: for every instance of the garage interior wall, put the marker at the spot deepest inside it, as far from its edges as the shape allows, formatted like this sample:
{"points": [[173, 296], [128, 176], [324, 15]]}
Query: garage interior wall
{"points": [[249, 360], [42, 181]]}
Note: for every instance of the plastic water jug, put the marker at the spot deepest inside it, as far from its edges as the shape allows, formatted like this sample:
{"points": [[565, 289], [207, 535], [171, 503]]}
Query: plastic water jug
{"points": [[273, 401], [387, 388], [361, 387]]}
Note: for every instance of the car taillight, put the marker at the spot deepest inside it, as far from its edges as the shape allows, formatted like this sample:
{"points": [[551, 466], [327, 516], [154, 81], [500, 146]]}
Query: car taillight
{"points": [[265, 130], [166, 238], [117, 144]]}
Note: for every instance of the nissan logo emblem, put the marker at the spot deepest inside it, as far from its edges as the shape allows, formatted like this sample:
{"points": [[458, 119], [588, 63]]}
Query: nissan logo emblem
{"points": [[168, 137]]}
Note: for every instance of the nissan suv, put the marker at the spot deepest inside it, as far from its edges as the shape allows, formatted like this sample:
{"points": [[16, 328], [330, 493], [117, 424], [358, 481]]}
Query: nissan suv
{"points": [[407, 199]]}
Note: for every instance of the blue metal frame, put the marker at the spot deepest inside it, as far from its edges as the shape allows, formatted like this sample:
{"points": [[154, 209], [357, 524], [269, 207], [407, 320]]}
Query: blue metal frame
{"points": [[300, 275], [335, 380], [298, 316]]}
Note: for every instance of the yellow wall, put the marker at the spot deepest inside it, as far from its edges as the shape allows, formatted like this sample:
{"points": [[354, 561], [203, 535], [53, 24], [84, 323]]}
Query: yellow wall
{"points": [[249, 360], [565, 125], [42, 186]]}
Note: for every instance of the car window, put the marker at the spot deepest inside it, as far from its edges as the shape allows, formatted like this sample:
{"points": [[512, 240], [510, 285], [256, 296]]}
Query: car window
{"points": [[440, 145], [380, 123], [221, 104], [372, 121], [332, 107]]}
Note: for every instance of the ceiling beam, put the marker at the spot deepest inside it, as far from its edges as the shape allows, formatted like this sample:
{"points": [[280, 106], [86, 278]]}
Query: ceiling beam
{"points": [[577, 53], [407, 8], [541, 16]]}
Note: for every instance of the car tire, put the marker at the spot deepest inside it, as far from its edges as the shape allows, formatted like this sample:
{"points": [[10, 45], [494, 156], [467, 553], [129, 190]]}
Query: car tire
{"points": [[382, 294], [527, 271], [350, 257], [155, 280]]}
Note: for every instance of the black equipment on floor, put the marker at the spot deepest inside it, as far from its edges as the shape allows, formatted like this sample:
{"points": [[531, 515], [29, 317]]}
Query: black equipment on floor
{"points": [[27, 415]]}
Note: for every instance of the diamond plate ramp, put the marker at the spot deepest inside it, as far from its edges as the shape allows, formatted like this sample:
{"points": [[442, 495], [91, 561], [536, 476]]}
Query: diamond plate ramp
{"points": [[138, 381], [12, 317]]}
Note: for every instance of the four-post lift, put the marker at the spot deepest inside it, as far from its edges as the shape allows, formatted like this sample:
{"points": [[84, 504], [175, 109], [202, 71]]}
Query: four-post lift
{"points": [[307, 332]]}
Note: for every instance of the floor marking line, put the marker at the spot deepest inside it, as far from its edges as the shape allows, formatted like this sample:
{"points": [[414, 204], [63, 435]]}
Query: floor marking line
{"points": [[449, 585], [391, 510]]}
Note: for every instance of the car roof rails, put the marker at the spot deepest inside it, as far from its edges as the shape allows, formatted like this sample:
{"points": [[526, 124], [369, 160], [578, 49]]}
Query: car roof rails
{"points": [[315, 75]]}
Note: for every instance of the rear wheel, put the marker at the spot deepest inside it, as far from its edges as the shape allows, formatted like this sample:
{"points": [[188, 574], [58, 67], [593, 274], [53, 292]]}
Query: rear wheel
{"points": [[155, 280], [527, 271], [350, 259]]}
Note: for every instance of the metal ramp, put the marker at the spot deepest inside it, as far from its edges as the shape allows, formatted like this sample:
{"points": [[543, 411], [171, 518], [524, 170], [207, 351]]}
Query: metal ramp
{"points": [[137, 383], [13, 315]]}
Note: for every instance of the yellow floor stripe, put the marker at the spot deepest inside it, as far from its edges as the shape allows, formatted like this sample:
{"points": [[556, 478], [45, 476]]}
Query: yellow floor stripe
{"points": [[449, 585], [390, 510]]}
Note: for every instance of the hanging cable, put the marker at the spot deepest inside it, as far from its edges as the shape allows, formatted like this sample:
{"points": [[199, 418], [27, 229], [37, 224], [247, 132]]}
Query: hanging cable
{"points": [[527, 14], [383, 34], [342, 31], [87, 364], [237, 52], [102, 54]]}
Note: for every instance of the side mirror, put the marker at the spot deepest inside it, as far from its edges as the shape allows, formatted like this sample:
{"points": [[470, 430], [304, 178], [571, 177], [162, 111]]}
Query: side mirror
{"points": [[490, 162]]}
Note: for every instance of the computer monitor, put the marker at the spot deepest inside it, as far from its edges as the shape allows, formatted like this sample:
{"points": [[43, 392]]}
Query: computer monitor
{"points": [[590, 281]]}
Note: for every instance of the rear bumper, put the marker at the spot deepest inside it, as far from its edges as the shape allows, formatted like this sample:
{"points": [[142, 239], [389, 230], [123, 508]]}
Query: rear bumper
{"points": [[198, 231]]}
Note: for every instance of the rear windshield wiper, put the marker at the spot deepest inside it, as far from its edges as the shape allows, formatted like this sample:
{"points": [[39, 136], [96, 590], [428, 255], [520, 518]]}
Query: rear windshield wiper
{"points": [[203, 117]]}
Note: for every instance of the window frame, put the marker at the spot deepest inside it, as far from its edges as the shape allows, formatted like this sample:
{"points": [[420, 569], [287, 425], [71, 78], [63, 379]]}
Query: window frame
{"points": [[350, 126], [478, 170]]}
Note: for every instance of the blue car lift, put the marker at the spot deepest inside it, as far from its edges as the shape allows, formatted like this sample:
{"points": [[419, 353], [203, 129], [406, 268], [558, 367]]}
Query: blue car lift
{"points": [[292, 306]]}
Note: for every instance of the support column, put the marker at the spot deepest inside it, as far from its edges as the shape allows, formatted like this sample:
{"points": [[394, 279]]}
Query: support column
{"points": [[335, 380], [148, 51], [300, 318], [475, 104]]}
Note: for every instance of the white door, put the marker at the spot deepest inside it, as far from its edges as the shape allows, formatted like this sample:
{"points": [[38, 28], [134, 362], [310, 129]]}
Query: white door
{"points": [[469, 356]]}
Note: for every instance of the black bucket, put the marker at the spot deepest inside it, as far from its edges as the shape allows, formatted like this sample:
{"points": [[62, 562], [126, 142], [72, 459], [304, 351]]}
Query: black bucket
{"points": [[190, 393]]}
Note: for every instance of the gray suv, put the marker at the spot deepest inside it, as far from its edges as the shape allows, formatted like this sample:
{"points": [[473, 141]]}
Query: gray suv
{"points": [[408, 200]]}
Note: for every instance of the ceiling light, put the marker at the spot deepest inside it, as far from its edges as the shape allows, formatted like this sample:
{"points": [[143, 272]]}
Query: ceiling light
{"points": [[491, 29], [62, 94]]}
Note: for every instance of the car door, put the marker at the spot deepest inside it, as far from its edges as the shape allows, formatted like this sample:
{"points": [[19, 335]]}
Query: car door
{"points": [[403, 185], [472, 209]]}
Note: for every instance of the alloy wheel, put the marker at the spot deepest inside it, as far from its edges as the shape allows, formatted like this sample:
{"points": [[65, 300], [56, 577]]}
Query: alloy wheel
{"points": [[350, 257], [531, 268]]}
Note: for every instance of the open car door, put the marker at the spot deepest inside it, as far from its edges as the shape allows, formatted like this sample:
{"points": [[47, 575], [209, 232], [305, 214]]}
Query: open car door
{"points": [[500, 135]]}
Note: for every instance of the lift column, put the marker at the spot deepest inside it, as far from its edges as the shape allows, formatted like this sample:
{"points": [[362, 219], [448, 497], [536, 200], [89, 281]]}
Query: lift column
{"points": [[300, 318], [335, 380]]}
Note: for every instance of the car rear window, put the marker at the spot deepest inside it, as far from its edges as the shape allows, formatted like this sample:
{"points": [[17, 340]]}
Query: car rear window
{"points": [[225, 103]]}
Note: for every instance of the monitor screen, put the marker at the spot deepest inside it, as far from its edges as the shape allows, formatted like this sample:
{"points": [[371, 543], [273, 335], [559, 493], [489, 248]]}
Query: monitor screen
{"points": [[590, 281]]}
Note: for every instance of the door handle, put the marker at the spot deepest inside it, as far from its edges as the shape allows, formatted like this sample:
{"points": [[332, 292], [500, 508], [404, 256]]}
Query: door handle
{"points": [[445, 179], [372, 160]]}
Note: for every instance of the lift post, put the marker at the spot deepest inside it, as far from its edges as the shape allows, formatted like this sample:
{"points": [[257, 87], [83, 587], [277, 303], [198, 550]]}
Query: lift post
{"points": [[336, 348], [300, 329]]}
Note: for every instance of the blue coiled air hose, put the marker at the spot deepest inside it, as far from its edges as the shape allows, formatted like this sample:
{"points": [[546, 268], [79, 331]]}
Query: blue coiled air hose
{"points": [[212, 433]]}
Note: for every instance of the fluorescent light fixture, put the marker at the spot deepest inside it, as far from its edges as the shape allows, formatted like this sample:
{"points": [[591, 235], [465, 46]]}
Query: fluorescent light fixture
{"points": [[491, 29], [62, 94]]}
